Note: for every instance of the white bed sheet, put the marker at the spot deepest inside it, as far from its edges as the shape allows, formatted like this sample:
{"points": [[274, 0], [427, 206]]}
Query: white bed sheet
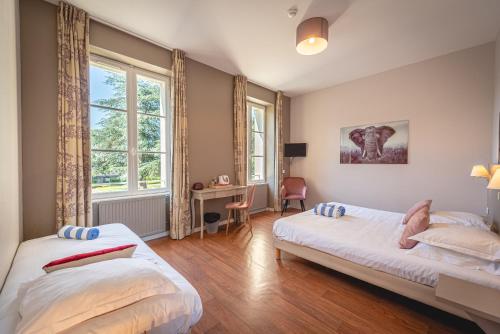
{"points": [[174, 313], [370, 238]]}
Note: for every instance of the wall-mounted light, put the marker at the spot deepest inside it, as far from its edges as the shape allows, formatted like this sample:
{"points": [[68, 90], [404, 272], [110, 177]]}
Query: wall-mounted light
{"points": [[480, 171], [312, 36], [494, 183]]}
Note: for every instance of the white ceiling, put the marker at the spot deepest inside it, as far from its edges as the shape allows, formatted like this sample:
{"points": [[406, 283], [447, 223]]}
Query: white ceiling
{"points": [[256, 37]]}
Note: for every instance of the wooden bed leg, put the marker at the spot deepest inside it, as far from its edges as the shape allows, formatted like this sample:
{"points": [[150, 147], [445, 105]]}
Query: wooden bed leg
{"points": [[278, 254]]}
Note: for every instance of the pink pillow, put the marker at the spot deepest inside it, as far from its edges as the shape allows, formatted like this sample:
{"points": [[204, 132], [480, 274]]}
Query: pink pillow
{"points": [[422, 204], [91, 257], [418, 222]]}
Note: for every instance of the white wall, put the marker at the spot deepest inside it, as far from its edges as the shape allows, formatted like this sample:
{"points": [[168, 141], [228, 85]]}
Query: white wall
{"points": [[448, 101], [9, 134]]}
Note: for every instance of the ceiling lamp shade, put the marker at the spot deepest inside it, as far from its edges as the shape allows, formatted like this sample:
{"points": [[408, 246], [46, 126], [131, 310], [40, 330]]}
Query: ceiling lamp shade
{"points": [[312, 36]]}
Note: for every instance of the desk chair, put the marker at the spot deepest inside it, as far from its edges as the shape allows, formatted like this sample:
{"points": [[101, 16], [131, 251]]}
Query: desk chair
{"points": [[242, 206]]}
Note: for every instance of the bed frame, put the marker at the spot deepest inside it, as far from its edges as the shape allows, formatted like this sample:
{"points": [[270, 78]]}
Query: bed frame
{"points": [[416, 291]]}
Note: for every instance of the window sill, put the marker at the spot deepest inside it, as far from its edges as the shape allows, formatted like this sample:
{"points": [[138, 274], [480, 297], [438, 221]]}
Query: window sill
{"points": [[105, 198], [260, 183]]}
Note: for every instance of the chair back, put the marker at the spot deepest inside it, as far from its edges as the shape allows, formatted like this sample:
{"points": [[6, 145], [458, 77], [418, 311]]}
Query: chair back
{"points": [[294, 185], [250, 195]]}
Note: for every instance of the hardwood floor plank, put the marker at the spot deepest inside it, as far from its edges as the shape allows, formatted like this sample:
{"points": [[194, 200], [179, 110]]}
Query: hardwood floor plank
{"points": [[245, 290]]}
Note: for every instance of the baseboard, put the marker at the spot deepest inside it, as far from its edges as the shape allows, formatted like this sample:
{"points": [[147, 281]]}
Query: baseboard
{"points": [[261, 210], [156, 236]]}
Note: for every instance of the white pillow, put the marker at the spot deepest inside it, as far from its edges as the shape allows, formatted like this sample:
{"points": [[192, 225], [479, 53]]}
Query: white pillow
{"points": [[443, 255], [470, 241], [64, 298], [460, 218]]}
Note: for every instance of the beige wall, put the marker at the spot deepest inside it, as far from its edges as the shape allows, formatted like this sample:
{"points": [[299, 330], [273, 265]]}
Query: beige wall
{"points": [[39, 116], [209, 103], [448, 101], [10, 219]]}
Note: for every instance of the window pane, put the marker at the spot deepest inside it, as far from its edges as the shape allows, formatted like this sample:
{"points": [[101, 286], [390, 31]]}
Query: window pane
{"points": [[257, 118], [256, 169], [152, 171], [109, 171], [149, 99], [256, 143], [151, 133], [108, 86], [108, 129]]}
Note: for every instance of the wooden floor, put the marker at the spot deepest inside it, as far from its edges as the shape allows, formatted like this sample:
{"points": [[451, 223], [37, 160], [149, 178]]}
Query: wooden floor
{"points": [[245, 290]]}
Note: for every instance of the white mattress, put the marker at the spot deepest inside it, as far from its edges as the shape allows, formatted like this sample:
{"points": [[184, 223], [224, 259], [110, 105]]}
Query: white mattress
{"points": [[167, 313], [370, 238]]}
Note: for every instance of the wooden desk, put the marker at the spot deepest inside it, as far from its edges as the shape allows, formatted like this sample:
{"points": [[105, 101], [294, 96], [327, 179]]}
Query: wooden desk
{"points": [[211, 193], [481, 303]]}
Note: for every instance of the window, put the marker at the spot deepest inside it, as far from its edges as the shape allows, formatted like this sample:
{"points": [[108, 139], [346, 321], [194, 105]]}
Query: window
{"points": [[129, 129], [256, 142]]}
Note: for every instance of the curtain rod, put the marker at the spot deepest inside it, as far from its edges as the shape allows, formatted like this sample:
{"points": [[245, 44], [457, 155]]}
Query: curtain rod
{"points": [[149, 40]]}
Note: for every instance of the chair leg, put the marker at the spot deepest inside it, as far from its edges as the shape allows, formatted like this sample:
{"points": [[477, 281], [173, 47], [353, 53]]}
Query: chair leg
{"points": [[228, 221], [302, 205], [285, 206], [249, 223], [282, 207]]}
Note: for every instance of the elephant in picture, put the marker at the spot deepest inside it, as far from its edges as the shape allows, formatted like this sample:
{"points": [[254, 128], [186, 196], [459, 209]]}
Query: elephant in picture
{"points": [[371, 140]]}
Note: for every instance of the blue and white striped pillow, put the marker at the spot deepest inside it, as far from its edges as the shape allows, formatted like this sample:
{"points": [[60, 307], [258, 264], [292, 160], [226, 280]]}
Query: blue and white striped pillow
{"points": [[329, 210], [80, 233]]}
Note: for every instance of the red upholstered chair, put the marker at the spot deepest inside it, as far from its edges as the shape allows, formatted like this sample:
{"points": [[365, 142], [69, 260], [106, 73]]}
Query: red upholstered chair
{"points": [[243, 206], [293, 188]]}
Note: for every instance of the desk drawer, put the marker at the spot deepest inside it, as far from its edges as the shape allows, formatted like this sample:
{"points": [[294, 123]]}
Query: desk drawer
{"points": [[228, 193]]}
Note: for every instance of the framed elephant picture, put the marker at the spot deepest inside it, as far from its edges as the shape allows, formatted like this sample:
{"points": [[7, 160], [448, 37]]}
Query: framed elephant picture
{"points": [[381, 143]]}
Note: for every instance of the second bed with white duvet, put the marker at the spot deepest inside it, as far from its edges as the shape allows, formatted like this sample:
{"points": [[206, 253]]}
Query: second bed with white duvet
{"points": [[370, 238]]}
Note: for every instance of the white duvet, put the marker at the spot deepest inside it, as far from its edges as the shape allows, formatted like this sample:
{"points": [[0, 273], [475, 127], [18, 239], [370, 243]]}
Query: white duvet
{"points": [[370, 238], [172, 313]]}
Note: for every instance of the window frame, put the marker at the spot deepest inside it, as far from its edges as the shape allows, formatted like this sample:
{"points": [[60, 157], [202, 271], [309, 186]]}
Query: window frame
{"points": [[131, 73], [264, 133]]}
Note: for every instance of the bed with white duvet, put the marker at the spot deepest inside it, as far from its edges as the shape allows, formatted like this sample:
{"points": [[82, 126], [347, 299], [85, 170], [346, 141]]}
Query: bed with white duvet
{"points": [[370, 237], [164, 313]]}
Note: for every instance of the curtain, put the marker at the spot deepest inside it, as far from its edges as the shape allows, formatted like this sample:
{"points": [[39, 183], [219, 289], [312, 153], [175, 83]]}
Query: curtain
{"points": [[73, 180], [278, 151], [240, 134], [180, 216]]}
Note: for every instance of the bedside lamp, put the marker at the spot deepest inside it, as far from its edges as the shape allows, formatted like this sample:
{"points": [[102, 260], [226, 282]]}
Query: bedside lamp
{"points": [[480, 171], [494, 183]]}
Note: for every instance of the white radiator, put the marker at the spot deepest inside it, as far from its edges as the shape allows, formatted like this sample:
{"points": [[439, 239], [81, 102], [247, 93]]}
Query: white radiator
{"points": [[145, 216]]}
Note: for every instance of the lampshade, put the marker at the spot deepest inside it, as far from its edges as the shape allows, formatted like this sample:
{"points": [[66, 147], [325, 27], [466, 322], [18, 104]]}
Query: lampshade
{"points": [[480, 171], [495, 181], [493, 169], [312, 36]]}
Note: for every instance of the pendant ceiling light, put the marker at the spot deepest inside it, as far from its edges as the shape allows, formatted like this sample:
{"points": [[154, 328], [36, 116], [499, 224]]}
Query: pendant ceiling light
{"points": [[312, 36]]}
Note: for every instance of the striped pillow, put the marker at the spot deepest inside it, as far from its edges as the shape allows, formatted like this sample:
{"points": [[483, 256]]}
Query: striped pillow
{"points": [[329, 210], [80, 233], [78, 260]]}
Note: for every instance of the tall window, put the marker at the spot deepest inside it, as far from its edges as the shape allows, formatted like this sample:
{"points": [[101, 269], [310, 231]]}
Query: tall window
{"points": [[256, 142], [129, 129]]}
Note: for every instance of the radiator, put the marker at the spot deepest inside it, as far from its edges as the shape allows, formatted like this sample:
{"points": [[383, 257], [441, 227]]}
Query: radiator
{"points": [[145, 216]]}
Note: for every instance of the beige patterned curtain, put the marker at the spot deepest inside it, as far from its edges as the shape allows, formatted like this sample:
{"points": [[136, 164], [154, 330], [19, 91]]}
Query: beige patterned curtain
{"points": [[180, 216], [278, 151], [240, 132], [73, 182]]}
